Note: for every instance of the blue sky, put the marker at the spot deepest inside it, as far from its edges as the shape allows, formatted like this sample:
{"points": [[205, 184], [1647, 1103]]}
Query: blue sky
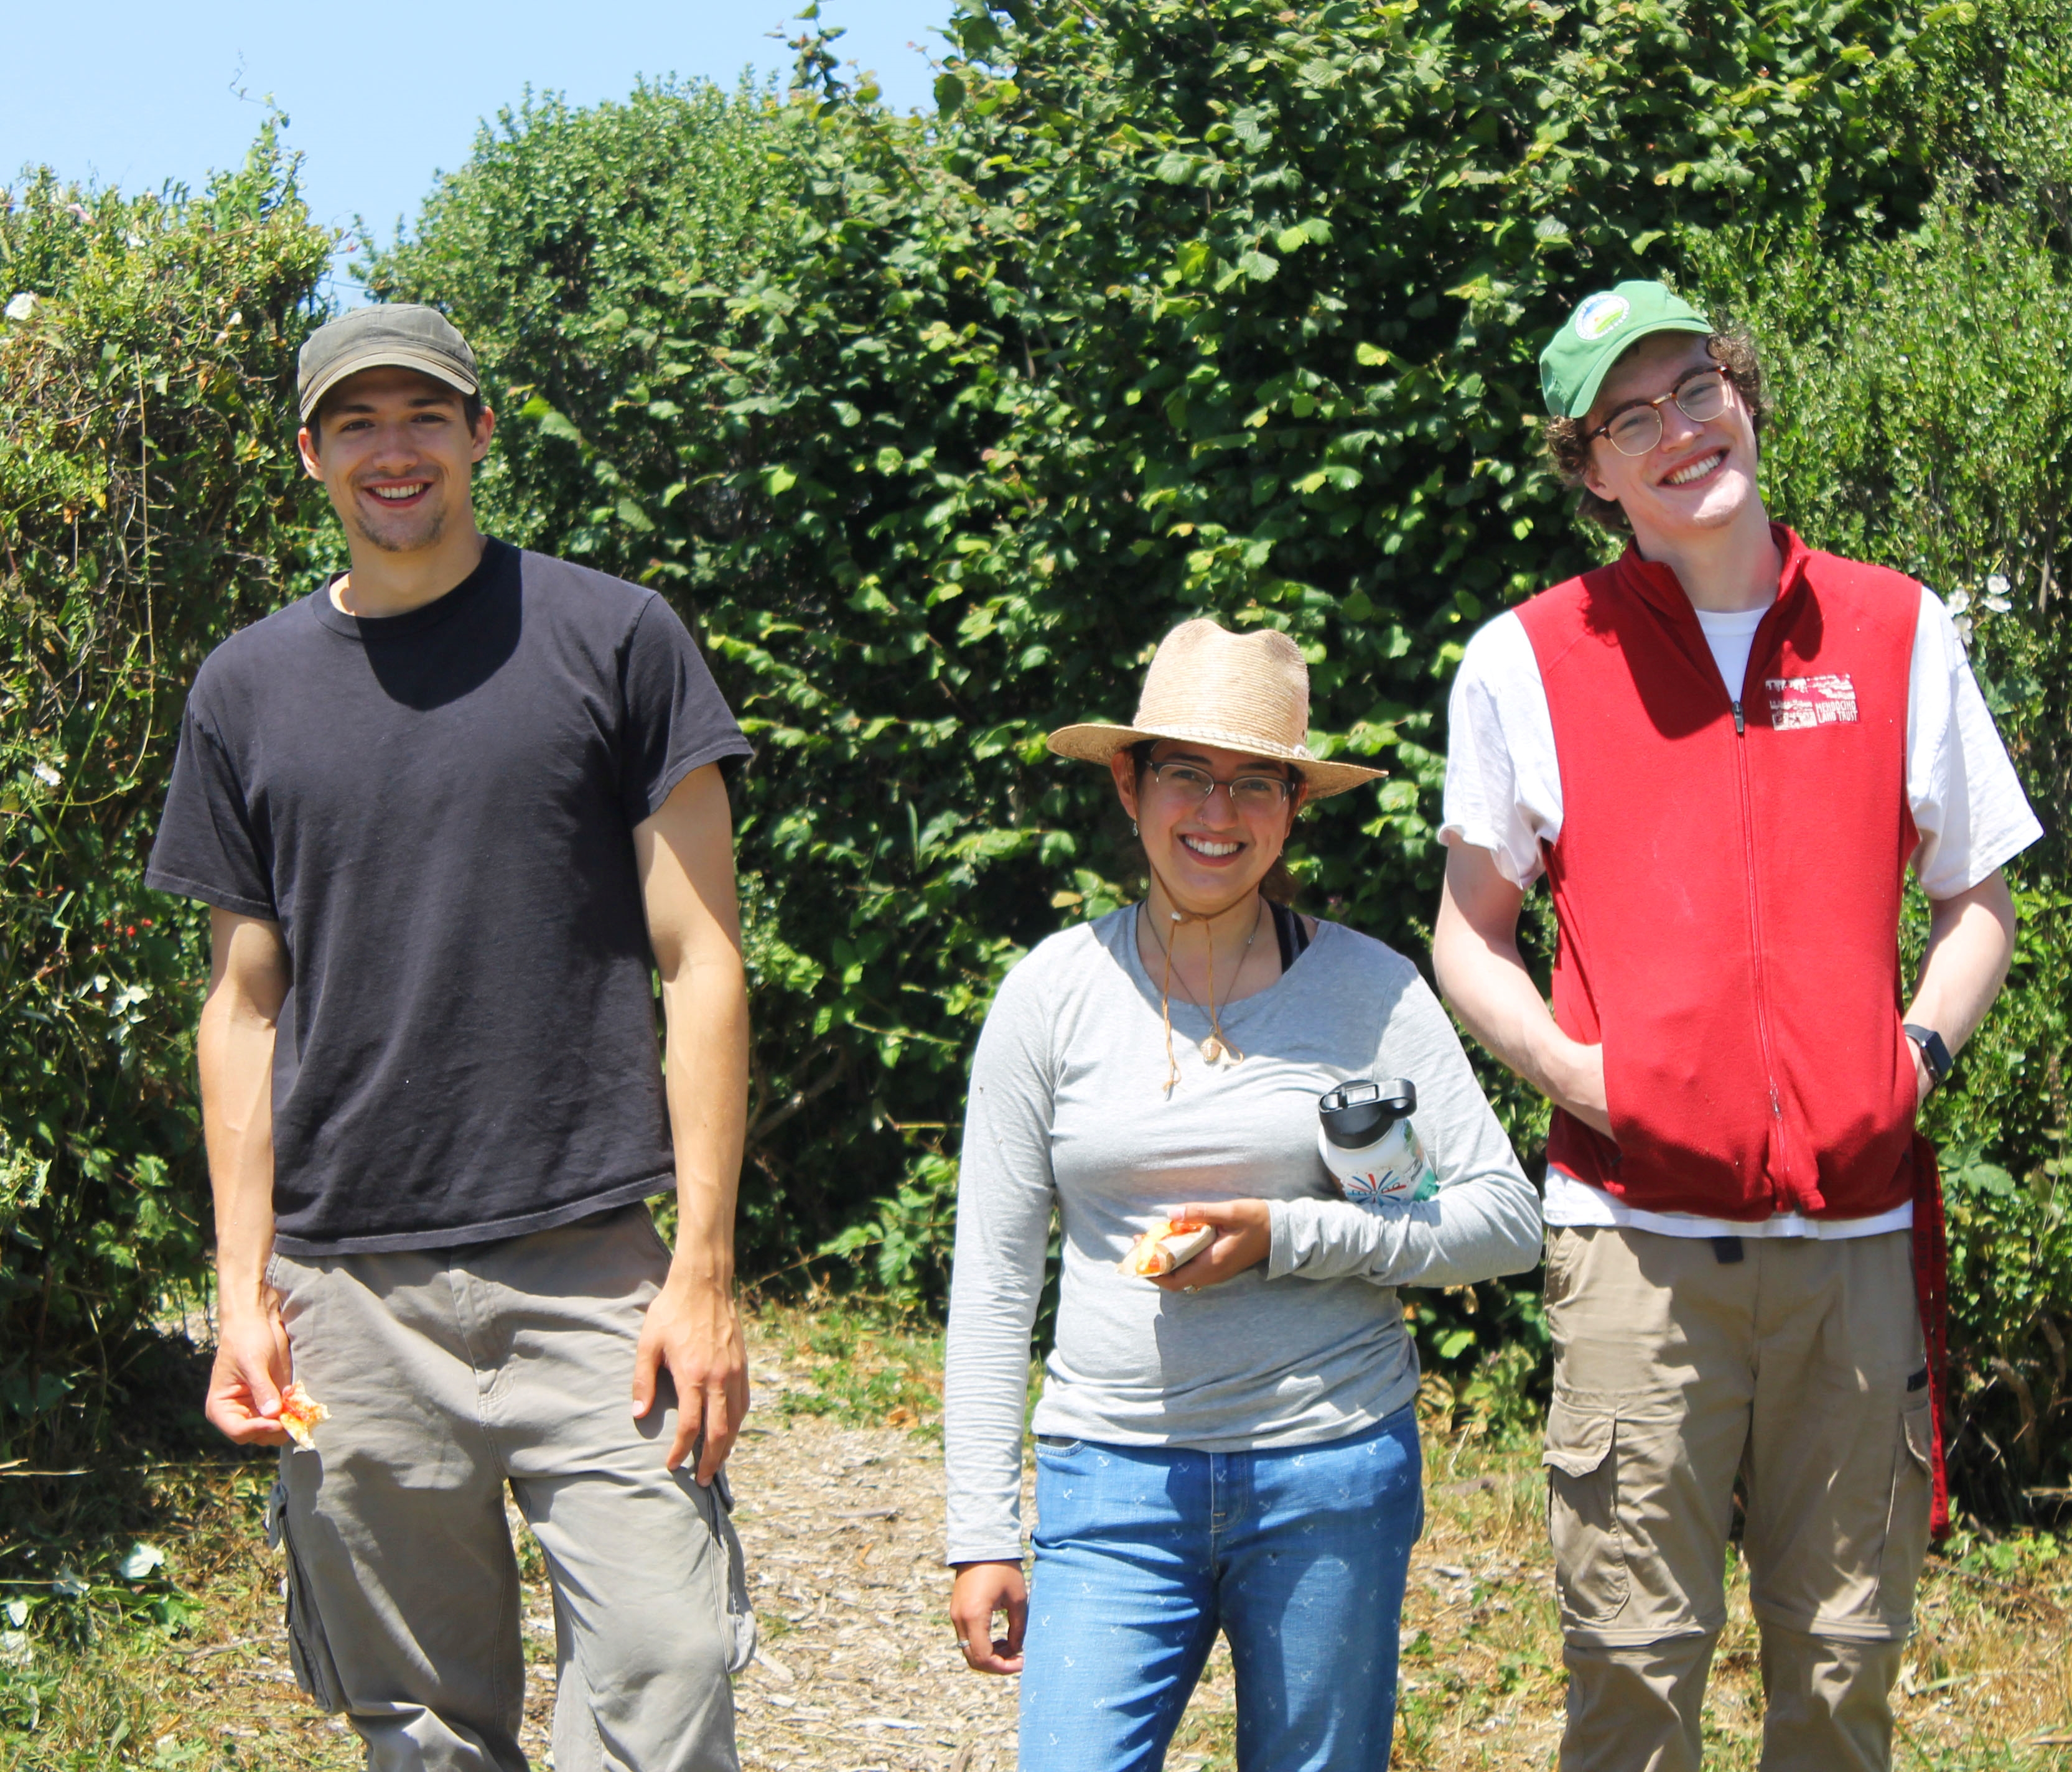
{"points": [[134, 93]]}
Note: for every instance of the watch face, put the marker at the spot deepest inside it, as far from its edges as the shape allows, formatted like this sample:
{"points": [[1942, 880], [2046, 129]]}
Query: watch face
{"points": [[1933, 1053]]}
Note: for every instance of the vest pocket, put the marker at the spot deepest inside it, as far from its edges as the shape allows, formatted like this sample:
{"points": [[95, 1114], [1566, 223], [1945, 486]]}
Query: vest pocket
{"points": [[1582, 1512], [309, 1649]]}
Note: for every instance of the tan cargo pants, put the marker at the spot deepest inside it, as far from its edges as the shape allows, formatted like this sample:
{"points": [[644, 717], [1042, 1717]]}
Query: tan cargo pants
{"points": [[1797, 1367], [448, 1374]]}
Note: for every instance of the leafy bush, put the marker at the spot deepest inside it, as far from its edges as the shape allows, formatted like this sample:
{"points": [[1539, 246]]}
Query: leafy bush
{"points": [[931, 426], [1171, 309], [150, 502]]}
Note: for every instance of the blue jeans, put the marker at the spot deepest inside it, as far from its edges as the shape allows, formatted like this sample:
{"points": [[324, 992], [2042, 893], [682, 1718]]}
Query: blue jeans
{"points": [[1298, 1555]]}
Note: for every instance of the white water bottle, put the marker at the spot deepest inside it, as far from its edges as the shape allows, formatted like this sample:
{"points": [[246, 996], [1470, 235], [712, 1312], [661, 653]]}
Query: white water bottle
{"points": [[1368, 1144]]}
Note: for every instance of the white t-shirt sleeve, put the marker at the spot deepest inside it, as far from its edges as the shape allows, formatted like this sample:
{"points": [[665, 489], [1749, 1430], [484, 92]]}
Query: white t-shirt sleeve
{"points": [[1968, 802], [1503, 781]]}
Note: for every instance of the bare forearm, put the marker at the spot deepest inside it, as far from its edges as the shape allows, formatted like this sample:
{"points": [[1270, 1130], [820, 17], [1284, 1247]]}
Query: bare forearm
{"points": [[235, 1050], [1971, 942], [706, 1013], [1474, 951], [1487, 986]]}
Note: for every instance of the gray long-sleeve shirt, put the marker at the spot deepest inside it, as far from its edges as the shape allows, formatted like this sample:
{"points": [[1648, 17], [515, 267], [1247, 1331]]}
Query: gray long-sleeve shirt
{"points": [[1067, 1109]]}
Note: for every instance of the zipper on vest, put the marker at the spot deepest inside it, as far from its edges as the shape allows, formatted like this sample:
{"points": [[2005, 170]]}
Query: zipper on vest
{"points": [[1755, 933]]}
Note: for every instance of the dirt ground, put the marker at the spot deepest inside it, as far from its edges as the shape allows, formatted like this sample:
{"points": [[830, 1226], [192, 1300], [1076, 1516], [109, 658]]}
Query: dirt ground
{"points": [[839, 1503]]}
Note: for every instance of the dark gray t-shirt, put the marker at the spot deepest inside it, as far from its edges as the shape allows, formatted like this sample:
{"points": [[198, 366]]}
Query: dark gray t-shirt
{"points": [[437, 810]]}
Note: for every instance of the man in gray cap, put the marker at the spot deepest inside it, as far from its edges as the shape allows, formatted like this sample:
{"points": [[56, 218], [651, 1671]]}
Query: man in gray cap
{"points": [[452, 812]]}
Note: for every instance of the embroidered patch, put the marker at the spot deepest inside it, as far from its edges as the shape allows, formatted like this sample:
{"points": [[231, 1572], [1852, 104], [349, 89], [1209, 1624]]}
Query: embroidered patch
{"points": [[1598, 315], [1796, 702]]}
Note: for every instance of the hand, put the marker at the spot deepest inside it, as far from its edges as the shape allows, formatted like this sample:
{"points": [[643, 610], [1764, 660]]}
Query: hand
{"points": [[1579, 1074], [251, 1368], [1244, 1238], [982, 1589], [693, 1328]]}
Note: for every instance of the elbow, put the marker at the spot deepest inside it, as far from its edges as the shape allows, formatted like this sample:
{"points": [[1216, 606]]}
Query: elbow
{"points": [[1528, 1236], [1524, 1253], [1445, 972]]}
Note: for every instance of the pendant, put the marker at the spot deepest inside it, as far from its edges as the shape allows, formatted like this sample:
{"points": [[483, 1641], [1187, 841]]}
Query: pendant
{"points": [[1219, 1053]]}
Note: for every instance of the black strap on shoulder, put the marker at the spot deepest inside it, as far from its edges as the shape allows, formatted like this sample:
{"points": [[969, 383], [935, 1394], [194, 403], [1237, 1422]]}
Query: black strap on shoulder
{"points": [[1288, 931]]}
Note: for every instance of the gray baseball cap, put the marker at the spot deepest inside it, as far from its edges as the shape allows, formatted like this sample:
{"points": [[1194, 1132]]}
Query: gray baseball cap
{"points": [[388, 335]]}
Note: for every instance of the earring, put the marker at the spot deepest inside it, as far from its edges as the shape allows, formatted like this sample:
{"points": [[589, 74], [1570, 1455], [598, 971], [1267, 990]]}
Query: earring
{"points": [[1133, 830]]}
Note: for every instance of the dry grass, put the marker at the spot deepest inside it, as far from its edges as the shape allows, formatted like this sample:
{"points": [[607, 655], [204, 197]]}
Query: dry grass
{"points": [[840, 1491]]}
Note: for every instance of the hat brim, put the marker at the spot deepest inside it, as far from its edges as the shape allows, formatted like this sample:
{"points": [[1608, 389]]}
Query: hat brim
{"points": [[1586, 395], [1096, 743], [384, 357]]}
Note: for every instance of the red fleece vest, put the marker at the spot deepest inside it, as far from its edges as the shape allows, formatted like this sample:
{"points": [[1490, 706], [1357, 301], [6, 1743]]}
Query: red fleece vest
{"points": [[1728, 880]]}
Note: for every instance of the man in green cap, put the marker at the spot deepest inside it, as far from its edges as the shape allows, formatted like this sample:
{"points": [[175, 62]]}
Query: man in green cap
{"points": [[453, 812], [1723, 750]]}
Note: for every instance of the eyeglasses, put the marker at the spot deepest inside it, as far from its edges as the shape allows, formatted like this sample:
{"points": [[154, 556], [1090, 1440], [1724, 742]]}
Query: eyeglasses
{"points": [[1636, 429], [1194, 784]]}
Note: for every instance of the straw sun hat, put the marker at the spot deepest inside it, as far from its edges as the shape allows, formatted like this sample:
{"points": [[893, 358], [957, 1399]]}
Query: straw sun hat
{"points": [[1240, 692]]}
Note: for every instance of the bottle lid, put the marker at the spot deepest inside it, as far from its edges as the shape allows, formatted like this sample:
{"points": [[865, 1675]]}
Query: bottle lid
{"points": [[1357, 1114]]}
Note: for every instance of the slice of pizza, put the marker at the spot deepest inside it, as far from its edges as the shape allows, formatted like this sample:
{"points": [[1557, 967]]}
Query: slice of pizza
{"points": [[1167, 1244], [299, 1413]]}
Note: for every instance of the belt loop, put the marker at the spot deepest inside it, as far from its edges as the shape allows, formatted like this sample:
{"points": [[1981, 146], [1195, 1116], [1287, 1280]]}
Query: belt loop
{"points": [[1726, 1251]]}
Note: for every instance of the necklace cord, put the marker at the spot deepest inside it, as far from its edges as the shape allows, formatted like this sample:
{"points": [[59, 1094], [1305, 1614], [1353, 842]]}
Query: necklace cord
{"points": [[1217, 1037]]}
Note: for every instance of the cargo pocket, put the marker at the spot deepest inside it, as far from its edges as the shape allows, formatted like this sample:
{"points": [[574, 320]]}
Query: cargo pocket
{"points": [[737, 1615], [1582, 1512], [1907, 1520], [309, 1652]]}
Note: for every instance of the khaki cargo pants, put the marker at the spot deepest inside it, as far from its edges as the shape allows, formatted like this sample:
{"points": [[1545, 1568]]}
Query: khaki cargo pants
{"points": [[1796, 1368], [449, 1374]]}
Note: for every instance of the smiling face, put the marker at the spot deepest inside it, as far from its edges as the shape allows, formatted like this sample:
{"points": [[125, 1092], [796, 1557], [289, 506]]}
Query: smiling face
{"points": [[1209, 854], [1699, 477], [395, 452]]}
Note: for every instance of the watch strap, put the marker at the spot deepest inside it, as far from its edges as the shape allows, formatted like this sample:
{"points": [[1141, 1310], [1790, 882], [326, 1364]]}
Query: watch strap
{"points": [[1933, 1051]]}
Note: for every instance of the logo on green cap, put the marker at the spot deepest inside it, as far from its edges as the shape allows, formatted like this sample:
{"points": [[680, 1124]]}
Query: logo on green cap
{"points": [[1605, 326], [1598, 315]]}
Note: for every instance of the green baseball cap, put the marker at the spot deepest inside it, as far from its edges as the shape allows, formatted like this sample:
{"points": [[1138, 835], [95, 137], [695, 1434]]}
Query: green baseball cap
{"points": [[1600, 330], [388, 336]]}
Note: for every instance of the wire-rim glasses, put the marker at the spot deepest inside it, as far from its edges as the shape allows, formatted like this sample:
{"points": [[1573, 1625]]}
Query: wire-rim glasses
{"points": [[1191, 783], [1636, 427]]}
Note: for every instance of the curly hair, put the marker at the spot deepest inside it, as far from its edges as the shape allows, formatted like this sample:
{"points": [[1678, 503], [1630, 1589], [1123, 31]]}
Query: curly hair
{"points": [[1569, 449]]}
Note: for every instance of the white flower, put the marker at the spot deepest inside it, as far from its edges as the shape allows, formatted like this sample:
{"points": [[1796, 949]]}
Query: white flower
{"points": [[22, 305], [48, 776], [142, 1560], [1997, 584], [1963, 624], [1958, 601], [1997, 594]]}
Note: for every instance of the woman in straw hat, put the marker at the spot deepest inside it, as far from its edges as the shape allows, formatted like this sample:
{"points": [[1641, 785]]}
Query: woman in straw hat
{"points": [[1231, 1445]]}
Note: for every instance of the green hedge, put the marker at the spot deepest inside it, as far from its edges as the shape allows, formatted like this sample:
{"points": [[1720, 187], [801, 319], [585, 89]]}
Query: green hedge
{"points": [[150, 503], [1172, 308], [932, 426]]}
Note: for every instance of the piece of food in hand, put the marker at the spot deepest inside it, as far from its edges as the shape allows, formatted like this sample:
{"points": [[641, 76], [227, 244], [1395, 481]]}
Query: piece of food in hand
{"points": [[299, 1413], [1167, 1244]]}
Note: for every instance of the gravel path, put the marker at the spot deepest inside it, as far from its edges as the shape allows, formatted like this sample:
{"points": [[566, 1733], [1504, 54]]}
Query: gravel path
{"points": [[843, 1529]]}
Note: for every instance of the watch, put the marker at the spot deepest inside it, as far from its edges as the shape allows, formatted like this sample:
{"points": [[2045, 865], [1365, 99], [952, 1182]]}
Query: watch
{"points": [[1933, 1051]]}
